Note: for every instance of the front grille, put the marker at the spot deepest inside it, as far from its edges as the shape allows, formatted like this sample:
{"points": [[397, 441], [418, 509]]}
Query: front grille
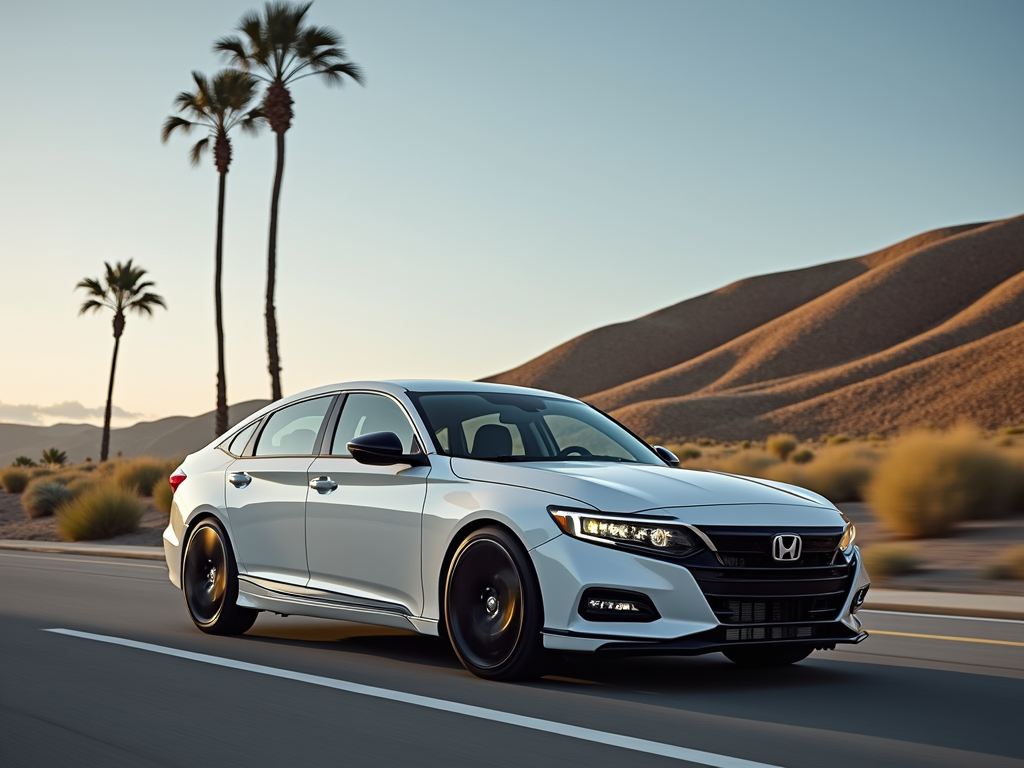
{"points": [[749, 587]]}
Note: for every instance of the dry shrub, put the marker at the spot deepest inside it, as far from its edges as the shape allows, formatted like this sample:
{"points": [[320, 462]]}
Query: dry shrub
{"points": [[102, 511], [803, 456], [13, 479], [753, 462], [931, 481], [838, 439], [685, 451], [40, 472], [840, 473], [781, 446], [42, 497], [884, 561], [1010, 564], [142, 473], [163, 496]]}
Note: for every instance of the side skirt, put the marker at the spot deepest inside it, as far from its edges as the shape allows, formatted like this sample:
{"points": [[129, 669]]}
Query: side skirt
{"points": [[288, 599]]}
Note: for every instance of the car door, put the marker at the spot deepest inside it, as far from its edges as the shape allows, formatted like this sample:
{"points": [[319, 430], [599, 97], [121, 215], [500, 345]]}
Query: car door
{"points": [[266, 493], [363, 522]]}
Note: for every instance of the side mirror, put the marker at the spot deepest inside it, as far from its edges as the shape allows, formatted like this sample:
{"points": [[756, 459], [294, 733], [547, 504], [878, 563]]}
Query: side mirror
{"points": [[667, 456], [382, 449]]}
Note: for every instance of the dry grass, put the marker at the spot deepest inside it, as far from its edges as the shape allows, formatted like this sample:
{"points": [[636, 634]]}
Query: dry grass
{"points": [[142, 473], [884, 561], [780, 446], [43, 496], [13, 479], [102, 511], [930, 481], [163, 496]]}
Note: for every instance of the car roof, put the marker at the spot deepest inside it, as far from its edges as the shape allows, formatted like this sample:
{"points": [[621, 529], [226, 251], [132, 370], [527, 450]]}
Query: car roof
{"points": [[399, 386]]}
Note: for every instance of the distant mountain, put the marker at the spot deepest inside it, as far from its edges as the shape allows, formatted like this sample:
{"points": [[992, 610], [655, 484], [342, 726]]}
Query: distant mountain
{"points": [[173, 436], [929, 330]]}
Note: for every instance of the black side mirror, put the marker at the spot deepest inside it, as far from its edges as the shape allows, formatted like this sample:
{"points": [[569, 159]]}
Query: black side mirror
{"points": [[382, 449], [667, 456]]}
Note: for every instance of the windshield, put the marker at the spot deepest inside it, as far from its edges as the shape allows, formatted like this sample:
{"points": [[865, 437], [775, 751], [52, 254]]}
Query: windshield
{"points": [[513, 427]]}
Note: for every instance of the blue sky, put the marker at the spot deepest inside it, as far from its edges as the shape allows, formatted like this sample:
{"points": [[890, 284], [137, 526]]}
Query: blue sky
{"points": [[512, 174]]}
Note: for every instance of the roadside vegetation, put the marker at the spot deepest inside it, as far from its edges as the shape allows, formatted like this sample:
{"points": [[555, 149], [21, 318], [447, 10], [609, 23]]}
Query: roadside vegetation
{"points": [[922, 483], [91, 501]]}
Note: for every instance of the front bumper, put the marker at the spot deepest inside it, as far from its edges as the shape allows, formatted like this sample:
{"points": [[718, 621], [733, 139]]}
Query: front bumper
{"points": [[566, 567]]}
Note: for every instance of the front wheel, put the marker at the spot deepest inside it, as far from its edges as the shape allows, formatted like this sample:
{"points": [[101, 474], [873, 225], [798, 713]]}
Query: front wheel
{"points": [[492, 607], [209, 581], [768, 657]]}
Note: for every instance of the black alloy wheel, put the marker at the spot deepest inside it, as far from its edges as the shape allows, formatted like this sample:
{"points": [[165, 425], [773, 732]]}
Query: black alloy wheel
{"points": [[209, 581], [768, 657], [492, 607]]}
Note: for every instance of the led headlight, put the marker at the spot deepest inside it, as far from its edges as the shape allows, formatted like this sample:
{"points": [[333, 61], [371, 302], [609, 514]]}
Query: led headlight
{"points": [[653, 536], [849, 535]]}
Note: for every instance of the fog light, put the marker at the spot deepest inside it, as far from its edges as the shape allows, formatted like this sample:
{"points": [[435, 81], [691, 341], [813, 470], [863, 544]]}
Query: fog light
{"points": [[616, 605], [858, 599]]}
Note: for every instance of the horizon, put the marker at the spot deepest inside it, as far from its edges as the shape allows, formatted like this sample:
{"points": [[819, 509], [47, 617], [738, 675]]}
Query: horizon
{"points": [[483, 215]]}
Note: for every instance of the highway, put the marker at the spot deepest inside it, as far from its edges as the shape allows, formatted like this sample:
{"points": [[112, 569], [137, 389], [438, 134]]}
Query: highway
{"points": [[128, 681]]}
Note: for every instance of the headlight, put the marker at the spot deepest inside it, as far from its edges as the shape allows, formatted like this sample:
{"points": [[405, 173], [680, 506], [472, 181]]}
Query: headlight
{"points": [[651, 536], [848, 536]]}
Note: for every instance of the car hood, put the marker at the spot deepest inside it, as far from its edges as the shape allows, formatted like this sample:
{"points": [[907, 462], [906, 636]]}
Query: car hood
{"points": [[627, 488]]}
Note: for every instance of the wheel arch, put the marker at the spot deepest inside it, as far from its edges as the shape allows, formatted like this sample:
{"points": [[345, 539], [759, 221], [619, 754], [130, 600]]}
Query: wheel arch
{"points": [[469, 527]]}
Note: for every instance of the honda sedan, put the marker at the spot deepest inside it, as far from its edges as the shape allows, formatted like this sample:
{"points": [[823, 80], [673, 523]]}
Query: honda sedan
{"points": [[509, 520]]}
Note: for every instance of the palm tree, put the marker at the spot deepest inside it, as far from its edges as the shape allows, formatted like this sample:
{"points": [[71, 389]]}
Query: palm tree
{"points": [[217, 105], [279, 49], [122, 290]]}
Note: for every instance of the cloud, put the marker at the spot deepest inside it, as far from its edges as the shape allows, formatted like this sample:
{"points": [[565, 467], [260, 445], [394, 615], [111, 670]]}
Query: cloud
{"points": [[69, 410]]}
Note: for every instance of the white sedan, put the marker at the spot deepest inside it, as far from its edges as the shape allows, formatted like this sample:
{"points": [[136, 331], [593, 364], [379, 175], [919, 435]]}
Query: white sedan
{"points": [[512, 521]]}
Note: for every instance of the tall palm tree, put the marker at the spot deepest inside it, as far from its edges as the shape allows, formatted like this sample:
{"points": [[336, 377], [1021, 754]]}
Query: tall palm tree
{"points": [[279, 48], [218, 105], [121, 290]]}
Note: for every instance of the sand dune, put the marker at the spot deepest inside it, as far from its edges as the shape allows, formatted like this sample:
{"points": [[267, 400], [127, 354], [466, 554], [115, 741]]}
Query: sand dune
{"points": [[914, 333]]}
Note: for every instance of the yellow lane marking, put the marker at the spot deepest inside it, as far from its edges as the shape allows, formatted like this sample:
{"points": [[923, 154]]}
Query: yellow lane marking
{"points": [[947, 637], [20, 556]]}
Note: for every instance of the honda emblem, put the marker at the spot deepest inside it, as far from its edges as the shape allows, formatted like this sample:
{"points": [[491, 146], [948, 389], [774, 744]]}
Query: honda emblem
{"points": [[786, 547]]}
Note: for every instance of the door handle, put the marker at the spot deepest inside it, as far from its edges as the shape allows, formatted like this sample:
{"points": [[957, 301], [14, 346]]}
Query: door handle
{"points": [[239, 479], [323, 485]]}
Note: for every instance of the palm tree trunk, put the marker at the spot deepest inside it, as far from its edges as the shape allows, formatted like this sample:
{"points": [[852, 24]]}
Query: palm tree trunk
{"points": [[105, 445], [274, 360], [221, 423]]}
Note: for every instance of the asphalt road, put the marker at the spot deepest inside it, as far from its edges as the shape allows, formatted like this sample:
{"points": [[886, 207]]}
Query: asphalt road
{"points": [[307, 693]]}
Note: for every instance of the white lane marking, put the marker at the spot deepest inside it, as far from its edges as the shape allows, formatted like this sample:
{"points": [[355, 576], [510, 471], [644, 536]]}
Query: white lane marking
{"points": [[91, 561], [442, 705], [939, 616]]}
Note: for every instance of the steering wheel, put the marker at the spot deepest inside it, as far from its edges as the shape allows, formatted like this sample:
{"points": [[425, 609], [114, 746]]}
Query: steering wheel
{"points": [[571, 449]]}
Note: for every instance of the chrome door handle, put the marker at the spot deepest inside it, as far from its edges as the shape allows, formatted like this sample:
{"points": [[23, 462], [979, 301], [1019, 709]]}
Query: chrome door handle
{"points": [[239, 479], [323, 485]]}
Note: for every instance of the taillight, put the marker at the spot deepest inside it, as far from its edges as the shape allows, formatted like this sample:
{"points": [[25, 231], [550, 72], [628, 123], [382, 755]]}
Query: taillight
{"points": [[176, 479]]}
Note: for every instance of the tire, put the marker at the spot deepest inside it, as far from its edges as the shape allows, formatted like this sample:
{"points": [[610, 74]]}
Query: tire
{"points": [[209, 582], [492, 607], [768, 657]]}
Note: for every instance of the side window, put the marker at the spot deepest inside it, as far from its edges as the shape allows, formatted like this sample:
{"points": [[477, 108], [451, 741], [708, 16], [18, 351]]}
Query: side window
{"points": [[293, 429], [238, 443], [365, 413]]}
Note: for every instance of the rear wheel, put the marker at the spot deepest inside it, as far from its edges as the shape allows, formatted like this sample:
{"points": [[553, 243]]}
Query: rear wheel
{"points": [[492, 607], [209, 582], [768, 657]]}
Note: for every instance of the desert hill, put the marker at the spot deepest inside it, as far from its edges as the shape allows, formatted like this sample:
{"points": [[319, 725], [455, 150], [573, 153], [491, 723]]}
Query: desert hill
{"points": [[921, 332], [173, 436]]}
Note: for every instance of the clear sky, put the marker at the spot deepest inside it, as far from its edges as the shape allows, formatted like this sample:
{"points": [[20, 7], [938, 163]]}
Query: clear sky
{"points": [[513, 174]]}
